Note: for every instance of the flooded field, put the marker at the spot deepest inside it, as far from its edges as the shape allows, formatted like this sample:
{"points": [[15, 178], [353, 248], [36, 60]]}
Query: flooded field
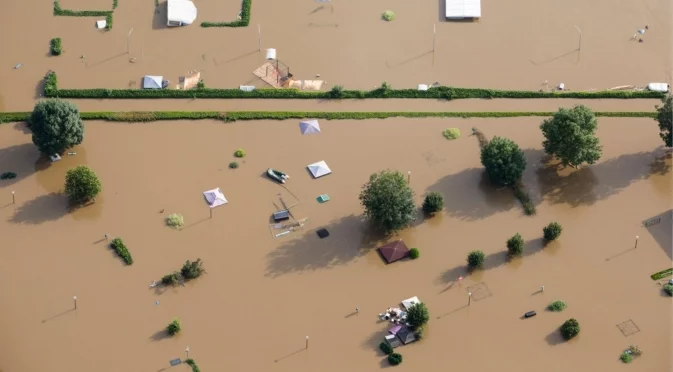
{"points": [[517, 44], [262, 295]]}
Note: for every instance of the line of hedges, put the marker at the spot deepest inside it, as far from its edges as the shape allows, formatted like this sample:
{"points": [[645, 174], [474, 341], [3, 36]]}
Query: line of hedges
{"points": [[244, 21], [120, 248], [447, 93], [58, 11], [147, 116]]}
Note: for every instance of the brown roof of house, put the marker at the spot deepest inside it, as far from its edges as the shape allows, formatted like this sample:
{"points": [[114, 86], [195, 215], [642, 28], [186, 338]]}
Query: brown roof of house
{"points": [[394, 251]]}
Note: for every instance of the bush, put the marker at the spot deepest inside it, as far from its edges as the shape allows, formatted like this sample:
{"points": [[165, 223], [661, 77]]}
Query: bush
{"points": [[552, 231], [395, 359], [528, 206], [414, 253], [239, 153], [388, 15], [174, 327], [557, 306], [233, 165], [451, 133], [626, 357], [82, 184], [192, 270], [243, 21], [662, 274], [668, 288], [200, 84], [56, 126], [173, 278], [417, 316], [570, 328], [7, 176], [386, 348], [56, 47], [118, 245], [175, 220], [337, 91], [190, 362], [475, 259], [504, 161], [433, 203], [50, 84], [515, 245], [570, 136], [388, 201], [665, 120]]}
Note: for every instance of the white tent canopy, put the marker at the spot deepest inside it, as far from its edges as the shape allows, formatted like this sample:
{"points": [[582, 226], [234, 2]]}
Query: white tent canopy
{"points": [[409, 302], [309, 126], [319, 169], [181, 12], [152, 82], [215, 198], [461, 9]]}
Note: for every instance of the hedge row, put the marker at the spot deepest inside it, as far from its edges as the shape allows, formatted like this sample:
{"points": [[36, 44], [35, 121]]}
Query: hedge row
{"points": [[146, 116], [244, 21], [662, 274], [447, 93], [120, 248], [58, 11]]}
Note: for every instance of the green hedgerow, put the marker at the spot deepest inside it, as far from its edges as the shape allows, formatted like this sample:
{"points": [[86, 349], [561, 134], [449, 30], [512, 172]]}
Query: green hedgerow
{"points": [[175, 220], [570, 328], [414, 253], [190, 362], [118, 245], [433, 203], [552, 231], [451, 133], [668, 288], [337, 91], [174, 327], [56, 47], [475, 259], [388, 15], [386, 348], [240, 153], [515, 245], [395, 359], [233, 165], [557, 306], [7, 175]]}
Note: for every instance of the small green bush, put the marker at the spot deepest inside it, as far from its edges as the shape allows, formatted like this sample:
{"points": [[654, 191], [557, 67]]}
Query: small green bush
{"points": [[414, 253], [118, 245], [552, 231], [233, 165], [7, 175], [521, 194], [451, 133], [56, 47], [173, 278], [240, 153], [626, 357], [668, 288], [81, 184], [395, 359], [175, 220], [386, 348], [388, 15], [174, 327], [192, 269], [190, 362], [557, 306], [433, 203], [200, 84], [515, 245], [475, 259], [570, 328], [337, 91]]}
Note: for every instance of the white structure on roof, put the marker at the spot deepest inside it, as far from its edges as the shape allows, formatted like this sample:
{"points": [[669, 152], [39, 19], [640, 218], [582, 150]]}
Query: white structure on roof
{"points": [[319, 169], [461, 9], [180, 12], [215, 198], [152, 82], [309, 126], [409, 302]]}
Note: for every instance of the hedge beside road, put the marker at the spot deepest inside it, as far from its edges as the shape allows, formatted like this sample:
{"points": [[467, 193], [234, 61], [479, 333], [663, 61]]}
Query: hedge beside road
{"points": [[244, 21]]}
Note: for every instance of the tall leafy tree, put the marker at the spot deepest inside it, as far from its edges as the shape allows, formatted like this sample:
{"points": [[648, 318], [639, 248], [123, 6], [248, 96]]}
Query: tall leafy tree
{"points": [[56, 126], [388, 201], [665, 119], [504, 161], [570, 136]]}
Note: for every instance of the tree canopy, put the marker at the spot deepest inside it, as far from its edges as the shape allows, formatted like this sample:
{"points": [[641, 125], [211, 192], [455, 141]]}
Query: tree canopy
{"points": [[82, 184], [504, 161], [417, 315], [665, 119], [570, 136], [388, 201], [56, 126]]}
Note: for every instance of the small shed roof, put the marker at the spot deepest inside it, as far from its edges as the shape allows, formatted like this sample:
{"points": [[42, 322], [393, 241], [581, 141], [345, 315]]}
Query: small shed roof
{"points": [[393, 341], [215, 198], [394, 251], [309, 126], [406, 335]]}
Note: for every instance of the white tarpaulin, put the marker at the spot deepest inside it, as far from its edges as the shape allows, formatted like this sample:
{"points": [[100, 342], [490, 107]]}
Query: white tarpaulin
{"points": [[461, 9], [409, 302], [215, 198], [658, 87], [152, 82], [309, 126], [181, 12], [319, 169]]}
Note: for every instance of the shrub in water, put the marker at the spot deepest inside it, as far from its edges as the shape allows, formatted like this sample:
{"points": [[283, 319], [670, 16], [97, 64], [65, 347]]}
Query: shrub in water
{"points": [[388, 15], [515, 245], [626, 357], [192, 269], [668, 288], [239, 153], [190, 362], [451, 133], [475, 259], [233, 165], [7, 175], [388, 201], [552, 231], [175, 220], [174, 327], [118, 245], [56, 48], [81, 184], [56, 125], [337, 91], [504, 161], [570, 328], [557, 306], [417, 316], [433, 203], [200, 84], [386, 348], [171, 279], [414, 253], [395, 359]]}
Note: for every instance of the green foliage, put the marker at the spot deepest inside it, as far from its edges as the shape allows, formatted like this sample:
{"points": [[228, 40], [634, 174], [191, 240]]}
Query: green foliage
{"points": [[626, 357], [417, 316], [7, 175], [114, 4], [451, 133], [388, 15], [173, 278], [190, 362], [239, 153], [515, 245], [395, 359], [192, 269], [668, 288], [552, 231], [233, 165], [388, 201], [504, 161], [433, 203], [665, 120], [81, 184], [475, 259], [521, 194], [108, 22], [570, 328], [557, 306], [570, 136], [414, 253], [337, 91], [120, 248], [175, 220], [243, 21], [56, 47], [58, 11], [662, 274], [386, 348], [56, 126], [200, 84], [174, 327], [50, 84]]}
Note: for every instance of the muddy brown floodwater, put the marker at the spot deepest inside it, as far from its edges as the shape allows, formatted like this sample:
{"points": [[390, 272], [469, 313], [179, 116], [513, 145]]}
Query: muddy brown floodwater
{"points": [[262, 296]]}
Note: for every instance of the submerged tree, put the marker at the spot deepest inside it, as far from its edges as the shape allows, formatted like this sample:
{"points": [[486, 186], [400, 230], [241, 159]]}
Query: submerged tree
{"points": [[388, 201], [82, 184], [504, 161], [56, 126], [665, 120], [570, 136]]}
